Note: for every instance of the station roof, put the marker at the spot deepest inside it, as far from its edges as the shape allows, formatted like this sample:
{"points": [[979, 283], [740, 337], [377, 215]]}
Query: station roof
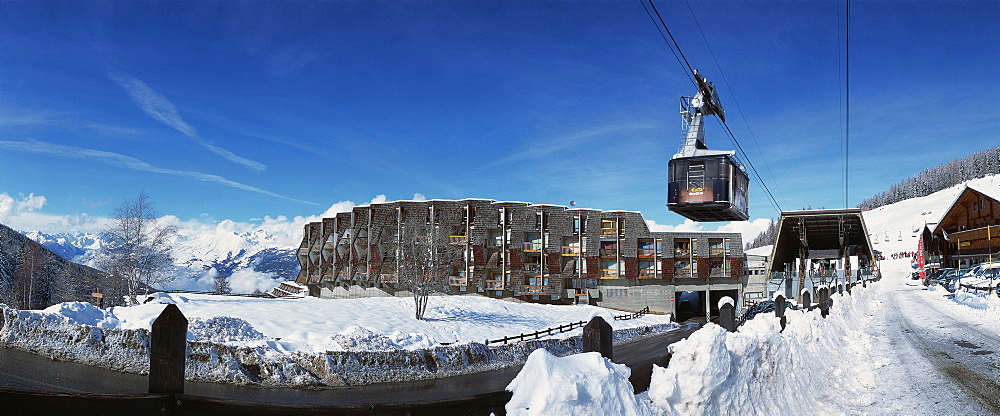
{"points": [[819, 231]]}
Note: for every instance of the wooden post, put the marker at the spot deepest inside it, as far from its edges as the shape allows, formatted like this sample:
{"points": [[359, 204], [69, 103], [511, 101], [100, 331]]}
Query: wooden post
{"points": [[727, 316], [779, 310], [597, 337], [824, 305], [167, 351]]}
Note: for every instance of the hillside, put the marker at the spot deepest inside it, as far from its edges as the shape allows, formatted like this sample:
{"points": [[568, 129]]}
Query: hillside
{"points": [[34, 277], [895, 227], [253, 259]]}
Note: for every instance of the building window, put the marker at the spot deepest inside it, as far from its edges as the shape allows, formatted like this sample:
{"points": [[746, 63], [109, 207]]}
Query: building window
{"points": [[617, 293], [610, 269], [576, 224]]}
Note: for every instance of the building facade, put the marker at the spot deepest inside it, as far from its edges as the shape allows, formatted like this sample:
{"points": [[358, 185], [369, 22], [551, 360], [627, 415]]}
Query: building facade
{"points": [[529, 252], [967, 234]]}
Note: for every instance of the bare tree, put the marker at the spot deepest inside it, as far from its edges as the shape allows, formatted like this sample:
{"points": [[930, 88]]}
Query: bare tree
{"points": [[139, 248], [32, 277], [417, 264], [221, 284]]}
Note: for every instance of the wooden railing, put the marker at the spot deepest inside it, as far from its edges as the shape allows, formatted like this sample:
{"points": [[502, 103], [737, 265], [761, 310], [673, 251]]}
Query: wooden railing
{"points": [[609, 273], [458, 281], [561, 328], [388, 278], [647, 273], [494, 284], [570, 250], [534, 289], [634, 315], [647, 252], [528, 246]]}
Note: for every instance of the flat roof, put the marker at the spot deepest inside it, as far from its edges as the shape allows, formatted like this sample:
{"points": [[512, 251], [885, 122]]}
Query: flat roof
{"points": [[819, 230]]}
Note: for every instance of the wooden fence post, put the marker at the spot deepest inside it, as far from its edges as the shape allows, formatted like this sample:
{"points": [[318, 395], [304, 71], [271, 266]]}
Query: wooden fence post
{"points": [[779, 310], [167, 351], [824, 302], [597, 337], [727, 314]]}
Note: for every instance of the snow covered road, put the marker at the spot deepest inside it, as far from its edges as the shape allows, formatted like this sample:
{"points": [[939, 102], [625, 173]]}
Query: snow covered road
{"points": [[943, 359]]}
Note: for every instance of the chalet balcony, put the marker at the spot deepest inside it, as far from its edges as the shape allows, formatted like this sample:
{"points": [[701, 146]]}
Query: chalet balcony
{"points": [[647, 252], [494, 285], [534, 289], [647, 273], [716, 252], [611, 232], [682, 253], [610, 273], [571, 251], [458, 240], [531, 247], [458, 281]]}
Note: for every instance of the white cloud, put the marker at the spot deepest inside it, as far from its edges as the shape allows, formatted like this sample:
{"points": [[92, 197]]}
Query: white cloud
{"points": [[120, 160], [10, 205], [748, 229], [419, 197], [160, 109], [687, 225]]}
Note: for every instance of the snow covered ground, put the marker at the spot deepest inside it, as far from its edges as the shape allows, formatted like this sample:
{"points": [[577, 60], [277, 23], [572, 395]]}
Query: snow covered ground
{"points": [[310, 341]]}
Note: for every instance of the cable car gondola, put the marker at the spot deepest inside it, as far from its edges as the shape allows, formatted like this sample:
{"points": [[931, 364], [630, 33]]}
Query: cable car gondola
{"points": [[705, 185]]}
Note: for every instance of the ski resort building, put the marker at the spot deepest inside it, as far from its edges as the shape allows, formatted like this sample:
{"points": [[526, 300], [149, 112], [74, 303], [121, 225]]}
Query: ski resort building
{"points": [[968, 233], [522, 251]]}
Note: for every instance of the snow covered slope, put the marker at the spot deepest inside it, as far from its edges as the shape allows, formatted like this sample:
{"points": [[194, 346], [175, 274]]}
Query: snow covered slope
{"points": [[898, 226], [255, 258]]}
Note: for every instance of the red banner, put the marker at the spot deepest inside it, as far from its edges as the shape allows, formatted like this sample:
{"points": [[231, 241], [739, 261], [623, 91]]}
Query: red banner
{"points": [[920, 257]]}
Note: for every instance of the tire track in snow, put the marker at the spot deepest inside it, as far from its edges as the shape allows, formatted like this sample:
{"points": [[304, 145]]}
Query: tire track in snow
{"points": [[978, 386]]}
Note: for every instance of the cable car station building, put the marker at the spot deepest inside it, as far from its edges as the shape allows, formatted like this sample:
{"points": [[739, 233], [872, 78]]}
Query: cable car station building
{"points": [[521, 251]]}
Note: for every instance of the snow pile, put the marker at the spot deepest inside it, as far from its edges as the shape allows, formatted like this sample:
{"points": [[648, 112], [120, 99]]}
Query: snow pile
{"points": [[816, 366], [310, 342], [760, 370], [581, 384]]}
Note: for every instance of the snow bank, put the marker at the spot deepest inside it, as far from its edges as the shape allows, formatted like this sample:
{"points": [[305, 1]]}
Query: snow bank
{"points": [[581, 384], [816, 366], [243, 348]]}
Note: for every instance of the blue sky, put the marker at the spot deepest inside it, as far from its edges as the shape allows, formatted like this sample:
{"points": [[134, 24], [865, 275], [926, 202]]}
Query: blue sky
{"points": [[241, 110]]}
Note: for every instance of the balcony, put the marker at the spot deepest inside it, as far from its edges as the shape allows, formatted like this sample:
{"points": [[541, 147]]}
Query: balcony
{"points": [[610, 231], [609, 252], [531, 247], [458, 281], [534, 289], [571, 251], [532, 267], [647, 252], [716, 252], [458, 240], [494, 285], [682, 253], [683, 273], [647, 273], [609, 273]]}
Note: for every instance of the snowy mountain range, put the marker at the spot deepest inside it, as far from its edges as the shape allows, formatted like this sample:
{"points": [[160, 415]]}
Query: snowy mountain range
{"points": [[254, 259]]}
